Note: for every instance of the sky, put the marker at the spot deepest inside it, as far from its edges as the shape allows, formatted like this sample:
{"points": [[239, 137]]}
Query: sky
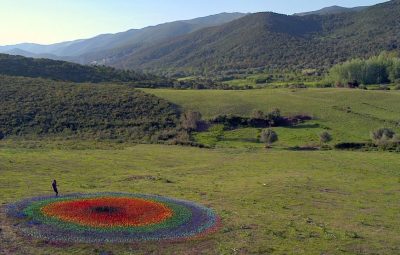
{"points": [[51, 21]]}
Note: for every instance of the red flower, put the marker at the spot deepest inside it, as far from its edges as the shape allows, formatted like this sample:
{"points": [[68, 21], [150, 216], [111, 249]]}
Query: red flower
{"points": [[109, 212]]}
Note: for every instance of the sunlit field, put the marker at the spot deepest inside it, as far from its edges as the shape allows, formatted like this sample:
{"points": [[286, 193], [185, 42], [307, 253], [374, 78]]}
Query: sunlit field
{"points": [[328, 202]]}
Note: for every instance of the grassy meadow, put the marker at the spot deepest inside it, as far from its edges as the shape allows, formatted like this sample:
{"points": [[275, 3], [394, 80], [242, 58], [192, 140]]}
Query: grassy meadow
{"points": [[271, 201], [325, 202]]}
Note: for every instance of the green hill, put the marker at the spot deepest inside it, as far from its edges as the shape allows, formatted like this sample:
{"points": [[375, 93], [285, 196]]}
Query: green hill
{"points": [[37, 107], [270, 40], [65, 71]]}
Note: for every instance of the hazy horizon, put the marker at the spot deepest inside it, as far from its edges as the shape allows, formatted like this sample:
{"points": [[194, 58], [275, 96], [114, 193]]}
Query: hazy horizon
{"points": [[48, 22]]}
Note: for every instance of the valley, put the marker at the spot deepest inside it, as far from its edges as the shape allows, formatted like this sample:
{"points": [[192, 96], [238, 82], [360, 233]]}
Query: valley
{"points": [[235, 133]]}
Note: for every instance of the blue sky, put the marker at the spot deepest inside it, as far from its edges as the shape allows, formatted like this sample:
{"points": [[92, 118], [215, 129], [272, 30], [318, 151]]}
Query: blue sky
{"points": [[50, 21]]}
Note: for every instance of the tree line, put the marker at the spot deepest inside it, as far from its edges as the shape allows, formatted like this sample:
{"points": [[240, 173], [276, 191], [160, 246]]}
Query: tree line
{"points": [[381, 69]]}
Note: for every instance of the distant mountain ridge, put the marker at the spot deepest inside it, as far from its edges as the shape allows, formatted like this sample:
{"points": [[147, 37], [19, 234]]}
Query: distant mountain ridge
{"points": [[332, 10], [19, 52], [131, 39]]}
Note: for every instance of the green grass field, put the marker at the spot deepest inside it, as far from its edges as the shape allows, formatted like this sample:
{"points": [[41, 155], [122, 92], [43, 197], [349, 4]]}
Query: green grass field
{"points": [[270, 201], [349, 115]]}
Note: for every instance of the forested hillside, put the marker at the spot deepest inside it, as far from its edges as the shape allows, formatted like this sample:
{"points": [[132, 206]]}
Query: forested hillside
{"points": [[44, 107], [66, 71], [270, 40]]}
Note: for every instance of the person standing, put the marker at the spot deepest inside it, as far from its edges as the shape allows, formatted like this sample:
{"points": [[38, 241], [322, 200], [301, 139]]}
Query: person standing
{"points": [[54, 184]]}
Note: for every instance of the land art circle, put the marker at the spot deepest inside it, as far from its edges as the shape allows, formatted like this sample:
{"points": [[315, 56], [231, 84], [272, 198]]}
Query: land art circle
{"points": [[112, 218]]}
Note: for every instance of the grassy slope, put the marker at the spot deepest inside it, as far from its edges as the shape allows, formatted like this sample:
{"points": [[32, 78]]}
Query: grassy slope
{"points": [[315, 203], [369, 109]]}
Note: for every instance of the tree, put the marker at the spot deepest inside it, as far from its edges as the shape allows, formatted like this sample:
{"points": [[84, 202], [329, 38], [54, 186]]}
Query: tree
{"points": [[394, 70], [1, 135], [269, 137], [325, 137], [190, 120]]}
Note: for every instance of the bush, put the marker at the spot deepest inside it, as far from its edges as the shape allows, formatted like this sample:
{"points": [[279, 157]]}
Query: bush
{"points": [[258, 120], [390, 146], [274, 116], [325, 137], [268, 136], [303, 148], [257, 114], [383, 87], [397, 87], [382, 135], [190, 120], [297, 86], [350, 146]]}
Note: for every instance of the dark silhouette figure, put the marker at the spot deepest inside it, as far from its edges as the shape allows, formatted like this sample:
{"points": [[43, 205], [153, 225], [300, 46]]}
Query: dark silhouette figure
{"points": [[54, 184]]}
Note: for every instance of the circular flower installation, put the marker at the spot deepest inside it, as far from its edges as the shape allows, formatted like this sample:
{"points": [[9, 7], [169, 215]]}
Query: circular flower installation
{"points": [[112, 217]]}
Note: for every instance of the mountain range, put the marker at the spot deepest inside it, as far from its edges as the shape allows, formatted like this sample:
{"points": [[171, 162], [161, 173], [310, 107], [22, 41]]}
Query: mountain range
{"points": [[134, 38], [332, 10], [275, 41], [229, 42]]}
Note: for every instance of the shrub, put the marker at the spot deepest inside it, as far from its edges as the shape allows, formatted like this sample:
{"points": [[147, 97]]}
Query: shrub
{"points": [[350, 146], [258, 120], [297, 86], [397, 87], [274, 116], [382, 134], [325, 137], [390, 146], [257, 114], [268, 136], [383, 87], [230, 121], [303, 148], [190, 120]]}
